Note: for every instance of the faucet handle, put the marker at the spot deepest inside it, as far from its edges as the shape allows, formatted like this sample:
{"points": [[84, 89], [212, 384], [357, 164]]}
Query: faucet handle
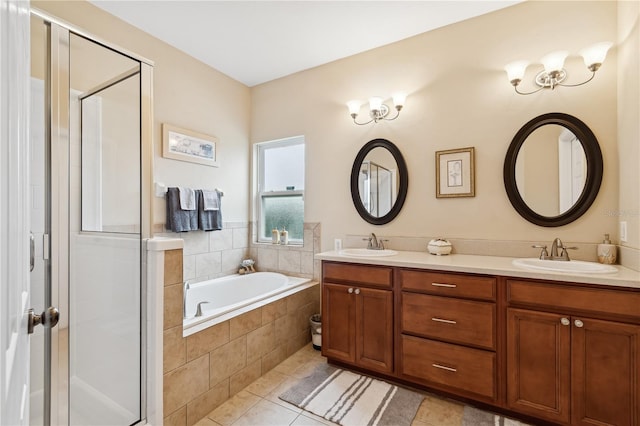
{"points": [[544, 254], [565, 254], [369, 242], [381, 242]]}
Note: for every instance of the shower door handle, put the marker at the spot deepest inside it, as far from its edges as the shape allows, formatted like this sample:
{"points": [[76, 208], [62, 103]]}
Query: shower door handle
{"points": [[32, 252], [49, 318]]}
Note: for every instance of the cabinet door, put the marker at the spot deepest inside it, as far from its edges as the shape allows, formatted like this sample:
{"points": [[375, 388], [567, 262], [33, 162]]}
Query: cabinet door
{"points": [[338, 322], [374, 332], [605, 369], [538, 364]]}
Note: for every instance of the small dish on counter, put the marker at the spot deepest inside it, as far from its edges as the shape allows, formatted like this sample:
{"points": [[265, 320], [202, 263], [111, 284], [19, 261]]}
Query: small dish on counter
{"points": [[439, 247]]}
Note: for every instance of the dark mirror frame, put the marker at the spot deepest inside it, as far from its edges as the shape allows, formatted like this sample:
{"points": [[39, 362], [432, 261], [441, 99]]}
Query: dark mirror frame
{"points": [[403, 177], [594, 169]]}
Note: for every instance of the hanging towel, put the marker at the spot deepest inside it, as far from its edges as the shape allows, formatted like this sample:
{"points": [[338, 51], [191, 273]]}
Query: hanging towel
{"points": [[179, 220], [187, 198], [210, 200], [209, 220]]}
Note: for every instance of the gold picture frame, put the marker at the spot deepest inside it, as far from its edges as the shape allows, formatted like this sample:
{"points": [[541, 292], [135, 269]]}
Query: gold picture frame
{"points": [[187, 145], [455, 173]]}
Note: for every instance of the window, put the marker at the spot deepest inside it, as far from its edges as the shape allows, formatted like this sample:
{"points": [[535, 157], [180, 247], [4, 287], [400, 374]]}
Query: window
{"points": [[280, 198]]}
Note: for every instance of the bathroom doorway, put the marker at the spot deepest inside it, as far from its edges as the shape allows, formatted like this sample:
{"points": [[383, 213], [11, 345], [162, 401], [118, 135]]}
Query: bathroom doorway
{"points": [[90, 128]]}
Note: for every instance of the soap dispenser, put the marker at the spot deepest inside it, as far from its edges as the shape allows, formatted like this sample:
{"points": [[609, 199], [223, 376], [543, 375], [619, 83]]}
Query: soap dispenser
{"points": [[607, 251], [284, 236]]}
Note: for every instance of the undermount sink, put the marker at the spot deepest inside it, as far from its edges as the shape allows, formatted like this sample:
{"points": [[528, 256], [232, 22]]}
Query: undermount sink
{"points": [[572, 266], [363, 252]]}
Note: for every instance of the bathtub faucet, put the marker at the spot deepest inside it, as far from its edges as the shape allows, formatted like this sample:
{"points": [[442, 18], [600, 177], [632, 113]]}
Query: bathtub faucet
{"points": [[247, 266], [199, 308]]}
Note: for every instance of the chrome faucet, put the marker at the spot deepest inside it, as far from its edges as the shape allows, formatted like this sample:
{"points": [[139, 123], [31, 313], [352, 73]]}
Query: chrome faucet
{"points": [[373, 243], [199, 308], [555, 245], [185, 287]]}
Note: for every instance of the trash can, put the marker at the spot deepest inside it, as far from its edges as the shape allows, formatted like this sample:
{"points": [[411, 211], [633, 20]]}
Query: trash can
{"points": [[315, 321]]}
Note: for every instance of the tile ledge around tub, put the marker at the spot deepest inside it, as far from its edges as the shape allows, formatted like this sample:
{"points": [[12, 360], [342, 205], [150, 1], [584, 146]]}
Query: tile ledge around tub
{"points": [[164, 244]]}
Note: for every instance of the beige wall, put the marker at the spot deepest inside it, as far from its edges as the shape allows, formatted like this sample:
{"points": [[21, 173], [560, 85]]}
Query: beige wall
{"points": [[629, 119], [188, 94], [458, 96]]}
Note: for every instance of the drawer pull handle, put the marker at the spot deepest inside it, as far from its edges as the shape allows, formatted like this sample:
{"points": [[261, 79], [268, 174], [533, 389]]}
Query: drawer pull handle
{"points": [[443, 320], [443, 285], [578, 323], [443, 367], [357, 291], [350, 290], [565, 321]]}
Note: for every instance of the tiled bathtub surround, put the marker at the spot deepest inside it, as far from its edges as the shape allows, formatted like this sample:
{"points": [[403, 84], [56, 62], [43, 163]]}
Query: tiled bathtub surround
{"points": [[214, 254], [205, 369], [292, 259]]}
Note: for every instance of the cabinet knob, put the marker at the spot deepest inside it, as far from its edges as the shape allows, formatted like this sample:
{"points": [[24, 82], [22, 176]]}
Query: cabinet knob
{"points": [[350, 290], [357, 291], [578, 323], [565, 321]]}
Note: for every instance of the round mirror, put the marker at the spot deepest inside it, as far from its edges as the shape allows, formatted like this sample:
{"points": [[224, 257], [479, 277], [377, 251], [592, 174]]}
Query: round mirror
{"points": [[553, 169], [379, 181]]}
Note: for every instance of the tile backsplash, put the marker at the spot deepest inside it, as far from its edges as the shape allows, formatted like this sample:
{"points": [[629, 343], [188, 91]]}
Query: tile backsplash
{"points": [[214, 254]]}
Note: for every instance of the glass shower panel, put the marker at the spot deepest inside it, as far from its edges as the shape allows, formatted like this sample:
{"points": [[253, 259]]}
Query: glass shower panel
{"points": [[110, 133], [39, 277], [105, 328]]}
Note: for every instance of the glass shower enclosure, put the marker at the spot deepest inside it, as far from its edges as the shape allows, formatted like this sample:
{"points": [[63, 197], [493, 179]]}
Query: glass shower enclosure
{"points": [[90, 136]]}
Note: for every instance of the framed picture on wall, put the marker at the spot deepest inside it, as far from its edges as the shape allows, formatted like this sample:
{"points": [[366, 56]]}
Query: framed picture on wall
{"points": [[455, 173], [186, 145]]}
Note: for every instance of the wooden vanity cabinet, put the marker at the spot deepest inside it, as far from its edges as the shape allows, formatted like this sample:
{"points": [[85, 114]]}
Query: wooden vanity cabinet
{"points": [[357, 315], [565, 353], [573, 353], [447, 329]]}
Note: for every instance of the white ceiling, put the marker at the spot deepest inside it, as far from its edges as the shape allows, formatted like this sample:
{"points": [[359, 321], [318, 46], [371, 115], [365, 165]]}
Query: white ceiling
{"points": [[258, 41]]}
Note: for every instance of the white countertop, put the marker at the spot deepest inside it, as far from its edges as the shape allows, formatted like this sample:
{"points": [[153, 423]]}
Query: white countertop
{"points": [[488, 265]]}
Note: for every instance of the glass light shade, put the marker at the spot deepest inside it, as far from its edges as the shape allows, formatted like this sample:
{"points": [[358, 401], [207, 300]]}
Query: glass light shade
{"points": [[554, 61], [354, 107], [595, 54], [515, 70], [399, 99], [375, 103]]}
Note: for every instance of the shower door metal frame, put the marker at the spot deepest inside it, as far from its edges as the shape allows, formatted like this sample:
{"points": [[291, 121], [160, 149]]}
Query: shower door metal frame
{"points": [[57, 145]]}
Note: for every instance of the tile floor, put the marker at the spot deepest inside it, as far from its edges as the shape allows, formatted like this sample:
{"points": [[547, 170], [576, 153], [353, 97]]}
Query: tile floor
{"points": [[258, 403]]}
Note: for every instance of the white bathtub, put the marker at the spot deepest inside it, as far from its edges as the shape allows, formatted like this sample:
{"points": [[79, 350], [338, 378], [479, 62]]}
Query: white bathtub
{"points": [[236, 294]]}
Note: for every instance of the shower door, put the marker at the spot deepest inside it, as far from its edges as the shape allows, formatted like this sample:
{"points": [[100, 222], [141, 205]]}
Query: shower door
{"points": [[89, 126]]}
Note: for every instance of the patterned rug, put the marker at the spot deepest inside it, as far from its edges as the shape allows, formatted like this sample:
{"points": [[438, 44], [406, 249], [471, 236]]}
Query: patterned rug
{"points": [[351, 399]]}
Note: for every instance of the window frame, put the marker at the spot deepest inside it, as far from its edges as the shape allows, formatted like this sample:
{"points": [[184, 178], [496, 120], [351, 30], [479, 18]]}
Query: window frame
{"points": [[260, 149]]}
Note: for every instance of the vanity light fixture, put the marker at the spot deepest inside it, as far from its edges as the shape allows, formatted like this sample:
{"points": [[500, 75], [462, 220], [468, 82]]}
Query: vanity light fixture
{"points": [[554, 73], [378, 111]]}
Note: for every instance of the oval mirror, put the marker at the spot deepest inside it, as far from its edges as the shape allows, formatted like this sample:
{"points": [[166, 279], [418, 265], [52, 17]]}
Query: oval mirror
{"points": [[379, 181], [553, 169]]}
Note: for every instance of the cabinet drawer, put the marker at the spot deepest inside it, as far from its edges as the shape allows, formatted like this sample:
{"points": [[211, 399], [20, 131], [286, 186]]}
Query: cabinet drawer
{"points": [[466, 369], [583, 299], [444, 284], [445, 318], [374, 276]]}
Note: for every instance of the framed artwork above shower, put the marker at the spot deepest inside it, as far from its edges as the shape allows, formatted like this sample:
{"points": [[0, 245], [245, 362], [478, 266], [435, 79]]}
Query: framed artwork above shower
{"points": [[455, 173], [186, 145]]}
